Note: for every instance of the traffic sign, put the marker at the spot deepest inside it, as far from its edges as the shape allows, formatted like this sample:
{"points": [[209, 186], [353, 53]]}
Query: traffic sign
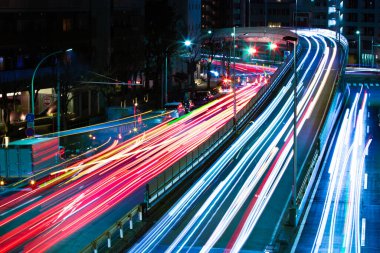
{"points": [[29, 117], [29, 132], [47, 100]]}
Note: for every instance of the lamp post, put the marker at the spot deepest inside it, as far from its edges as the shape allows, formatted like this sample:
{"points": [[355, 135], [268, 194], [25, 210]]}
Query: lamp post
{"points": [[164, 98], [294, 40], [359, 47], [58, 88], [233, 79], [249, 13]]}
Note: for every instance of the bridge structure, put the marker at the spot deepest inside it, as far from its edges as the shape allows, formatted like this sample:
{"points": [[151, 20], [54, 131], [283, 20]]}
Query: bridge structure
{"points": [[146, 169]]}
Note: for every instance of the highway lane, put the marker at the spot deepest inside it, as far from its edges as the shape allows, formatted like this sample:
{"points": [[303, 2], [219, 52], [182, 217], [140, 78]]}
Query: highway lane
{"points": [[344, 213], [35, 221], [224, 214]]}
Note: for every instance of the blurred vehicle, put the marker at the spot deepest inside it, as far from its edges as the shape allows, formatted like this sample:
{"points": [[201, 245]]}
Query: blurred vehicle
{"points": [[177, 109], [189, 105], [202, 97]]}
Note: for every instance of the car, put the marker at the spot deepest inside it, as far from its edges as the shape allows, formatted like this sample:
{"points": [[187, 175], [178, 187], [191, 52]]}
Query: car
{"points": [[202, 97], [177, 109], [189, 105]]}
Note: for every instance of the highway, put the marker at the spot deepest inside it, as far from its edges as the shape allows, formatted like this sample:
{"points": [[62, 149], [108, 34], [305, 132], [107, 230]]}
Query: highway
{"points": [[343, 215], [237, 205], [78, 203]]}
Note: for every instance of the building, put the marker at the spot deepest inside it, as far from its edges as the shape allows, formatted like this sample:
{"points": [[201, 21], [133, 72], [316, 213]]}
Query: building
{"points": [[98, 32], [356, 20]]}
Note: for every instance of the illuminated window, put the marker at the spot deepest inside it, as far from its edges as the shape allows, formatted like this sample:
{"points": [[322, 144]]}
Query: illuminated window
{"points": [[67, 24], [1, 63]]}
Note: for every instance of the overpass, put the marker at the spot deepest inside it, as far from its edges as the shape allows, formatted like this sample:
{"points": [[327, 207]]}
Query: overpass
{"points": [[244, 201], [119, 175]]}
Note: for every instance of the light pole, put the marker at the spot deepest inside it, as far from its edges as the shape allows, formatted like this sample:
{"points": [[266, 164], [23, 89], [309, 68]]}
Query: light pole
{"points": [[233, 79], [359, 47], [373, 56], [294, 40], [164, 99], [135, 104], [58, 88], [249, 13]]}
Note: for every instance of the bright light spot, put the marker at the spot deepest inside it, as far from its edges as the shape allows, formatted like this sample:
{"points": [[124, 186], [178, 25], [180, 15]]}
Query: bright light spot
{"points": [[272, 46], [187, 43], [215, 73], [252, 50]]}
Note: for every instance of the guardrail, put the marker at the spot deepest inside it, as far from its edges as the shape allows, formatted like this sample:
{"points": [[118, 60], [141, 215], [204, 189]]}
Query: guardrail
{"points": [[164, 183], [161, 185], [106, 241]]}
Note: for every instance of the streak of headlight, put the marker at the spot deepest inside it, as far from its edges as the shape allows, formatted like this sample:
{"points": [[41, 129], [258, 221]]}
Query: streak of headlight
{"points": [[147, 242]]}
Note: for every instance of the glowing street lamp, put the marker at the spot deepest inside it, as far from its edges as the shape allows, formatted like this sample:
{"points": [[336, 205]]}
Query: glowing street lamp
{"points": [[187, 43]]}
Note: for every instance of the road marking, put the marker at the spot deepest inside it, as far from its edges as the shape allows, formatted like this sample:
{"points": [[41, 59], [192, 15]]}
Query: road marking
{"points": [[367, 129], [371, 84], [363, 233], [377, 84], [365, 181], [368, 114]]}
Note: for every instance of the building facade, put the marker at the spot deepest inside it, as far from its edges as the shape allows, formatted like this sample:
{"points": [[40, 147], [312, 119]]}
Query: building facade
{"points": [[98, 32], [357, 20]]}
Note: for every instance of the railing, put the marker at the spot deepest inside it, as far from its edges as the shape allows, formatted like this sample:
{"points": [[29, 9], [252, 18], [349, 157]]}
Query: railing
{"points": [[158, 187], [107, 240], [161, 185]]}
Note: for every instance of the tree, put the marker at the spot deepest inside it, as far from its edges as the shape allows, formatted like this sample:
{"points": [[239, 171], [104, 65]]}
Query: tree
{"points": [[160, 33], [211, 46]]}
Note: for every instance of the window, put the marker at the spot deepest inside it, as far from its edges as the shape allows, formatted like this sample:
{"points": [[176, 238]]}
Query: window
{"points": [[369, 4], [369, 31], [352, 17], [369, 18], [352, 4], [67, 24], [1, 63]]}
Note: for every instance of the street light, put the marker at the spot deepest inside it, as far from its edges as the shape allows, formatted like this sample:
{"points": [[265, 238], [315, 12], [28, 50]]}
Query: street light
{"points": [[359, 45], [233, 79], [58, 89], [249, 13], [294, 40], [187, 43]]}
